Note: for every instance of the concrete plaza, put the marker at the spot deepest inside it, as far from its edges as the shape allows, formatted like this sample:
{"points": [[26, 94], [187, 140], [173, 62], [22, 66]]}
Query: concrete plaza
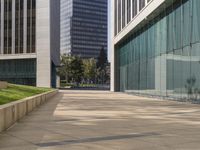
{"points": [[101, 120]]}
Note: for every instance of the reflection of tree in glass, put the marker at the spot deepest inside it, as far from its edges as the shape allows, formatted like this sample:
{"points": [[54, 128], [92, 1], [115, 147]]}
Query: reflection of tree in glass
{"points": [[190, 86], [196, 94], [193, 93]]}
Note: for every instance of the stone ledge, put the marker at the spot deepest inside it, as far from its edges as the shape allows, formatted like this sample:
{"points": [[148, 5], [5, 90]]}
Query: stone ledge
{"points": [[12, 112]]}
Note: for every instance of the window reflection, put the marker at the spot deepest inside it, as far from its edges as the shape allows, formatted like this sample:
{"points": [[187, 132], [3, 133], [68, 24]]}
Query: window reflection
{"points": [[163, 57]]}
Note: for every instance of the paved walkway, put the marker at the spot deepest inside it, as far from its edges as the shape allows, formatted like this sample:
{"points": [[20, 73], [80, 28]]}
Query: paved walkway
{"points": [[100, 120]]}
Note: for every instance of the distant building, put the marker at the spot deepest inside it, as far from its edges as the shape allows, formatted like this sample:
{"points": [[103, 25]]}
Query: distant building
{"points": [[156, 47], [83, 27], [65, 26], [29, 41]]}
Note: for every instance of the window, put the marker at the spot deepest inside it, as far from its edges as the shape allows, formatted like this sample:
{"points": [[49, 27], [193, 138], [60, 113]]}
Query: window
{"points": [[19, 26], [7, 26], [134, 8], [119, 15], [141, 4], [123, 13], [128, 11], [31, 23]]}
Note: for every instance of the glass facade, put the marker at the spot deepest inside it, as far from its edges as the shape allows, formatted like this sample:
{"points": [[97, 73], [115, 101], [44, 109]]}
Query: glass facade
{"points": [[88, 27], [19, 62], [31, 24], [119, 15], [7, 26], [163, 58], [19, 26], [65, 34], [21, 71]]}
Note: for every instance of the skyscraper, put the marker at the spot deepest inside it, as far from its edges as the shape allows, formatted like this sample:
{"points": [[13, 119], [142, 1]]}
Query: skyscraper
{"points": [[156, 47], [66, 16], [83, 27], [29, 41]]}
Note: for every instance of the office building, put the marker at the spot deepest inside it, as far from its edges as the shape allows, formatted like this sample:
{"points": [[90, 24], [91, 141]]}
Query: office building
{"points": [[156, 47], [29, 41], [65, 24], [83, 27]]}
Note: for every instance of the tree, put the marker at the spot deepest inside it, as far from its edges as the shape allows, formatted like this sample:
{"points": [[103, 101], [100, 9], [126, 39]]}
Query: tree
{"points": [[102, 64], [77, 69], [65, 69], [89, 66], [102, 59]]}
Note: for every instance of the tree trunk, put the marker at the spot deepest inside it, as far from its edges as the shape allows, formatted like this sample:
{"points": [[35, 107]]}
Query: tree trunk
{"points": [[66, 78]]}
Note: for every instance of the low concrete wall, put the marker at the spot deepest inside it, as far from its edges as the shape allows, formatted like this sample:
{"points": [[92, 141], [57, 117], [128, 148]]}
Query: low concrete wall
{"points": [[12, 112], [3, 85]]}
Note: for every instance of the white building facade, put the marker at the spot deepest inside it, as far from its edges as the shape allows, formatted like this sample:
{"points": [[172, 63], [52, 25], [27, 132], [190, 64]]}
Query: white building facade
{"points": [[155, 47], [30, 41]]}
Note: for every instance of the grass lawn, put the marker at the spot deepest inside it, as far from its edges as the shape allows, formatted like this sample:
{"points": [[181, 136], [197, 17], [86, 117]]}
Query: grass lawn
{"points": [[17, 92]]}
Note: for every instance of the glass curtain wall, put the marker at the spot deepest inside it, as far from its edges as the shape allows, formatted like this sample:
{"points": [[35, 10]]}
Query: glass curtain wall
{"points": [[21, 71], [128, 11], [163, 57], [31, 23], [134, 8], [119, 14], [19, 26], [123, 13], [7, 26]]}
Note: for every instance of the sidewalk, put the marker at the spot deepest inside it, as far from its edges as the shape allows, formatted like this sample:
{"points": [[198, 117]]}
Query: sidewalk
{"points": [[101, 120]]}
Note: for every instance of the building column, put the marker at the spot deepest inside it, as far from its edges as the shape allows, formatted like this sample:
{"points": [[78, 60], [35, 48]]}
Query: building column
{"points": [[43, 43], [2, 26], [126, 13], [121, 16], [146, 2], [25, 28], [131, 9], [13, 26], [112, 82]]}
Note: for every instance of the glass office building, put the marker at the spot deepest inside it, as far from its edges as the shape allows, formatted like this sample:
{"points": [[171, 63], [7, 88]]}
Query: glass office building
{"points": [[160, 52], [83, 27], [66, 16], [29, 41]]}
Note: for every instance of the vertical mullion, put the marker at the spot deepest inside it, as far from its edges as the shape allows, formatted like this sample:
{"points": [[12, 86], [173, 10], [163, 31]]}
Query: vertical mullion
{"points": [[121, 17], [13, 26], [25, 27], [2, 26], [126, 12], [31, 26], [131, 11], [146, 2], [116, 16], [7, 27]]}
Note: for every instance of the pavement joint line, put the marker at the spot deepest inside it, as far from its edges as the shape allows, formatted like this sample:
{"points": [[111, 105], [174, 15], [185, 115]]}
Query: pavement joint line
{"points": [[97, 139]]}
